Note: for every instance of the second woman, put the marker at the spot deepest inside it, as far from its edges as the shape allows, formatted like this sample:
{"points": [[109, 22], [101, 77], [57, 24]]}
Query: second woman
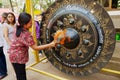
{"points": [[9, 28]]}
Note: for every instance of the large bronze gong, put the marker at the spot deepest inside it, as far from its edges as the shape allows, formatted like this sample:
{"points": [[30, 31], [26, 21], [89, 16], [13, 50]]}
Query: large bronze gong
{"points": [[91, 31]]}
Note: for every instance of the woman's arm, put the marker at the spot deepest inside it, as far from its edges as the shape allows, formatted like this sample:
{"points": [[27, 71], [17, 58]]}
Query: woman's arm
{"points": [[6, 35], [41, 47]]}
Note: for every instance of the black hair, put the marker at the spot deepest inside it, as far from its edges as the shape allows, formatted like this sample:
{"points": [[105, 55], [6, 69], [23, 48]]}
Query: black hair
{"points": [[23, 19], [4, 15]]}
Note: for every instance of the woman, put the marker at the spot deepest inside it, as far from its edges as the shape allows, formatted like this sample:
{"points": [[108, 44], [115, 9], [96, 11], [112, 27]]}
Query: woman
{"points": [[3, 66], [9, 27], [22, 40]]}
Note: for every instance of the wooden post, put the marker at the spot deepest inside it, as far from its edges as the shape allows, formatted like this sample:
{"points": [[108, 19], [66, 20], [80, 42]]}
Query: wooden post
{"points": [[110, 4]]}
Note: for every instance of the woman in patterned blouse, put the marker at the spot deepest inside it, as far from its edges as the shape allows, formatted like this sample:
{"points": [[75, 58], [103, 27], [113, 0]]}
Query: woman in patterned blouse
{"points": [[22, 40]]}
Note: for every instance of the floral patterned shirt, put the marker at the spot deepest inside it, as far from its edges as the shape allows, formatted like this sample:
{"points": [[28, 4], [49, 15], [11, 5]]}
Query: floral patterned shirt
{"points": [[18, 51]]}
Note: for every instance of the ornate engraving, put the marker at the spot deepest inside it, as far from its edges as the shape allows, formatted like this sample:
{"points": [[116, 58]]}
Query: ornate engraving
{"points": [[91, 32]]}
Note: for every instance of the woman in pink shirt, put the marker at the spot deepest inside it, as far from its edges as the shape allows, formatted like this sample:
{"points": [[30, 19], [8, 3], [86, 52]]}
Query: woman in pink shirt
{"points": [[22, 40]]}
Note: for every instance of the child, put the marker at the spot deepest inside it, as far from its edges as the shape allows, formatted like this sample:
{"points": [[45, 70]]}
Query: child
{"points": [[22, 40]]}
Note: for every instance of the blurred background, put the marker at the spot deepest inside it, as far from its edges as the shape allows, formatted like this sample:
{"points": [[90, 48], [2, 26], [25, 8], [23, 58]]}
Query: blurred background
{"points": [[39, 6]]}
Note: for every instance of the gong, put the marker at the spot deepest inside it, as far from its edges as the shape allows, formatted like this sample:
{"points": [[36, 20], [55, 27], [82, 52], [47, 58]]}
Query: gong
{"points": [[91, 31]]}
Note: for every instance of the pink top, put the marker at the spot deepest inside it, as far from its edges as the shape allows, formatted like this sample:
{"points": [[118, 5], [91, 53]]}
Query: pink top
{"points": [[18, 52]]}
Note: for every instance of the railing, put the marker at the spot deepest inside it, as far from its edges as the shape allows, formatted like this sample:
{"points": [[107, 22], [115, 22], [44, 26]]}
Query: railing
{"points": [[109, 7]]}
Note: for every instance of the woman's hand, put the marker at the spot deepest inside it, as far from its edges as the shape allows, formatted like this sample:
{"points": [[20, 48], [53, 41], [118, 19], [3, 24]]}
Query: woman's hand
{"points": [[52, 44]]}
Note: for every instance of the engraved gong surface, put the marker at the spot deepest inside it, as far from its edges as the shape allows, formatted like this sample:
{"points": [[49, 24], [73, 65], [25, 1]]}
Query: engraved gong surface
{"points": [[91, 31]]}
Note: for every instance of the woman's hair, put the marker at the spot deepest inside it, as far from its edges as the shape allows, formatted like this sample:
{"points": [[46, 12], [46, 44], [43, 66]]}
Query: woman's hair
{"points": [[23, 19], [14, 21]]}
